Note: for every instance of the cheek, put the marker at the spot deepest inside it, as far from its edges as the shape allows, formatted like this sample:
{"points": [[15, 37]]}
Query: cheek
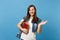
{"points": [[32, 11], [29, 11]]}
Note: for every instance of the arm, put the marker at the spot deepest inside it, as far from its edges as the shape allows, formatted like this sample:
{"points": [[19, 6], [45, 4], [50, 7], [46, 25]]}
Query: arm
{"points": [[39, 26], [22, 29], [19, 25]]}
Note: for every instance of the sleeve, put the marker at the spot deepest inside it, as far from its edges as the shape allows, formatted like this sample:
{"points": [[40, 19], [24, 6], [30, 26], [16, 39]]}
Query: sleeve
{"points": [[22, 19], [39, 20]]}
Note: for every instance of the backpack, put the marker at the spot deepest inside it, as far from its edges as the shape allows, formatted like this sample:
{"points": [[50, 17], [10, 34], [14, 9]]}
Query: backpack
{"points": [[34, 28]]}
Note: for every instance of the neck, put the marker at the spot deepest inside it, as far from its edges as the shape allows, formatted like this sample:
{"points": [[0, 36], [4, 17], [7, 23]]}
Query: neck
{"points": [[31, 17]]}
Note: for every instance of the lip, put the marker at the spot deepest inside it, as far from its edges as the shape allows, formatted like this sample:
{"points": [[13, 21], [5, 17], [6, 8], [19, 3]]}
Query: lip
{"points": [[32, 12]]}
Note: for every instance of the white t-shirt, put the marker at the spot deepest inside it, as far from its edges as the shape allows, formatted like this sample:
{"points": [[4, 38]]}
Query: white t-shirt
{"points": [[30, 35]]}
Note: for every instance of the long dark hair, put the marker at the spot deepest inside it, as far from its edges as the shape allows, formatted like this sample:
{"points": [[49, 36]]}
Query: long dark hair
{"points": [[35, 18]]}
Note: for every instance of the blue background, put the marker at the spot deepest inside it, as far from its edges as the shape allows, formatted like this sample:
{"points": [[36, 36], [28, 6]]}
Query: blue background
{"points": [[12, 11]]}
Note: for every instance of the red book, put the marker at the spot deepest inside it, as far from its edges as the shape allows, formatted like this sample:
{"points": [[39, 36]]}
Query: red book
{"points": [[25, 25]]}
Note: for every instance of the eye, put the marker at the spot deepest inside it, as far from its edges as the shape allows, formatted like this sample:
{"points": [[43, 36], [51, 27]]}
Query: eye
{"points": [[32, 9]]}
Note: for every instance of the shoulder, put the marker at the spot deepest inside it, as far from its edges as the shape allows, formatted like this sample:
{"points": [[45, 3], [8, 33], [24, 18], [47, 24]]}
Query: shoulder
{"points": [[22, 19]]}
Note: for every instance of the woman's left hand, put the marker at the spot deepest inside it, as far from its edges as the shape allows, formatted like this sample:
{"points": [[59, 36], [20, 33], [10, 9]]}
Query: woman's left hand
{"points": [[40, 24], [43, 22]]}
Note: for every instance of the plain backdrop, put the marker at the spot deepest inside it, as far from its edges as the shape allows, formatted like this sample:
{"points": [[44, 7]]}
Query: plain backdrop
{"points": [[12, 11]]}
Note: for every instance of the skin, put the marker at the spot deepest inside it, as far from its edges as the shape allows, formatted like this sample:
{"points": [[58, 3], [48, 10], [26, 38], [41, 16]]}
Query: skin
{"points": [[40, 24], [31, 12]]}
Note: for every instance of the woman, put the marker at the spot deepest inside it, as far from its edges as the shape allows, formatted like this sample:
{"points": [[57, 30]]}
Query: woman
{"points": [[34, 23]]}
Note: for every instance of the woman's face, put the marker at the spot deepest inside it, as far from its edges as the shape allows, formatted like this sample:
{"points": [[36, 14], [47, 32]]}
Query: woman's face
{"points": [[31, 11]]}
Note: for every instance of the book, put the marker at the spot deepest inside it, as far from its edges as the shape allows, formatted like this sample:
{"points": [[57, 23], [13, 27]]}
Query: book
{"points": [[25, 25]]}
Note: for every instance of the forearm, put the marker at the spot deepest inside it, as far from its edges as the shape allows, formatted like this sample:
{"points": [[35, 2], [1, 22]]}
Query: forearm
{"points": [[19, 26], [39, 29], [22, 29]]}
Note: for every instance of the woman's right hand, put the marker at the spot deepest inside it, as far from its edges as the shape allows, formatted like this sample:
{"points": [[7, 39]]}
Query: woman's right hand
{"points": [[25, 30]]}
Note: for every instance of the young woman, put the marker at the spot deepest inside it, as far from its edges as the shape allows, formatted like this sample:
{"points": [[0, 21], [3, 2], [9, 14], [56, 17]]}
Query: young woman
{"points": [[34, 23]]}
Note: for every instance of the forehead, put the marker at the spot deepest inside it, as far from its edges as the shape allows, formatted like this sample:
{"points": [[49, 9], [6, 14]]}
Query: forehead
{"points": [[31, 7]]}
